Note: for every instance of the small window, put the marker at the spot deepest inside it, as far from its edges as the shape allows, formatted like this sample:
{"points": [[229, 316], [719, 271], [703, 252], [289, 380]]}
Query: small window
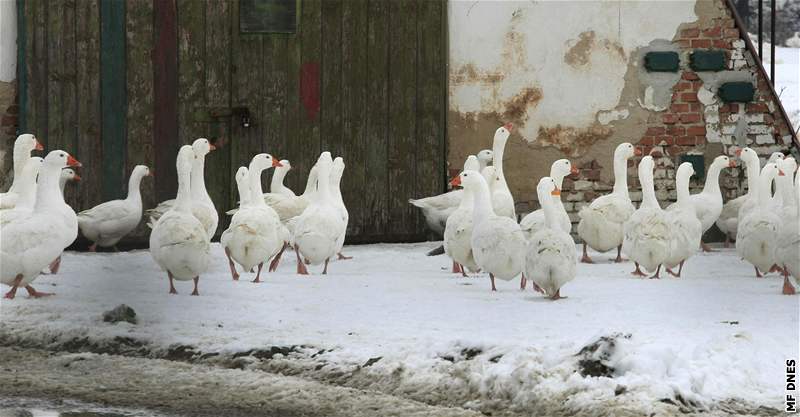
{"points": [[268, 16]]}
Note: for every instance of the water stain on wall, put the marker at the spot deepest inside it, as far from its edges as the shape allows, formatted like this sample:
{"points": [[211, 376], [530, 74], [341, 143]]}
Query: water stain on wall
{"points": [[572, 141], [579, 54]]}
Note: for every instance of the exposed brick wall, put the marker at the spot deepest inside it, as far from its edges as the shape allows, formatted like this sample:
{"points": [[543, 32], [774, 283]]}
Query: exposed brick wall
{"points": [[697, 122]]}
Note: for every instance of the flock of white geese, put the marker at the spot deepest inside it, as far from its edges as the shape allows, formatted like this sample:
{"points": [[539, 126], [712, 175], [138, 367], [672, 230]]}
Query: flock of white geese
{"points": [[478, 222]]}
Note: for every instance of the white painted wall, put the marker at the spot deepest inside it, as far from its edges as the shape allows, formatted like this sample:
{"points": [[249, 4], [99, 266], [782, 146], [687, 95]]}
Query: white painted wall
{"points": [[8, 40], [525, 42]]}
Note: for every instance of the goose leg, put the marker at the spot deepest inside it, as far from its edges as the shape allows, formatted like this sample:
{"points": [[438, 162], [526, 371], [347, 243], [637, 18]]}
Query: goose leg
{"points": [[638, 272], [618, 259], [776, 268], [325, 270], [788, 288], [13, 291], [93, 247], [342, 257], [523, 282], [301, 267], [727, 240], [705, 247], [678, 275], [273, 266], [537, 288], [758, 274], [455, 269], [196, 280], [36, 294], [491, 276], [258, 274], [657, 275], [557, 295], [585, 258], [234, 274], [172, 289], [463, 272], [55, 265]]}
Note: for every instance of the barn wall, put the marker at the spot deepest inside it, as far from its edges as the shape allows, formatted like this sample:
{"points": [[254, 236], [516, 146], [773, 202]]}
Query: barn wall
{"points": [[570, 76], [8, 75]]}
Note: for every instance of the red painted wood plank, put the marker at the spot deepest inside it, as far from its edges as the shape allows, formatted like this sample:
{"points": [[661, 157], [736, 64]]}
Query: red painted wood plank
{"points": [[165, 120]]}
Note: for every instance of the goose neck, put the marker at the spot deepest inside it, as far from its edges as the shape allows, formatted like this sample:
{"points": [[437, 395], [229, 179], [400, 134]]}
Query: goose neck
{"points": [[198, 183], [276, 185], [752, 176], [621, 176], [183, 201], [482, 208], [764, 191], [134, 193], [711, 185], [48, 193], [648, 191], [254, 179]]}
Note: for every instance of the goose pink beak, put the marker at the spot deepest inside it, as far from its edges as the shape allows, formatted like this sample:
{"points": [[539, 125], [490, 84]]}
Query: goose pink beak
{"points": [[738, 152], [76, 177], [509, 126], [276, 163], [731, 164], [455, 181], [637, 152], [780, 173], [211, 147], [574, 171], [38, 146]]}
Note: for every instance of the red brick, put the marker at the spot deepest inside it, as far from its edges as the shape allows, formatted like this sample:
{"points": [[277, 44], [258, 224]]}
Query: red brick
{"points": [[647, 140], [567, 184], [591, 174], [768, 119], [682, 86], [690, 33], [696, 107], [589, 195], [655, 130], [701, 43], [696, 85], [731, 33], [676, 96], [690, 118], [722, 44], [756, 108], [669, 118], [684, 43], [733, 108], [714, 32], [676, 131], [727, 23], [700, 140], [679, 108], [13, 109], [696, 131], [725, 108], [689, 97], [689, 75]]}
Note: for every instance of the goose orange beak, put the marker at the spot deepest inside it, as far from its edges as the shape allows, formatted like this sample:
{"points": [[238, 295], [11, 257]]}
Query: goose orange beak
{"points": [[556, 191], [38, 146], [76, 178], [455, 182], [731, 164], [508, 126], [738, 152], [574, 171], [637, 152], [73, 162], [780, 173], [276, 163]]}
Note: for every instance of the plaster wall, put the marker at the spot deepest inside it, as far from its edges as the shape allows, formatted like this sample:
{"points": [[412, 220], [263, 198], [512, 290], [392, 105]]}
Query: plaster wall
{"points": [[8, 40]]}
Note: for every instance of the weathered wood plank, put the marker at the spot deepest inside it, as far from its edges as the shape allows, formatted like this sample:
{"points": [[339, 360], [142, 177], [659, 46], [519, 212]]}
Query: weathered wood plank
{"points": [[276, 69], [331, 134], [165, 121], [402, 116], [37, 70], [431, 93], [140, 150], [89, 146], [296, 180], [354, 110], [246, 90], [69, 96], [55, 68], [113, 96], [376, 196], [219, 181], [304, 147], [191, 68], [22, 67]]}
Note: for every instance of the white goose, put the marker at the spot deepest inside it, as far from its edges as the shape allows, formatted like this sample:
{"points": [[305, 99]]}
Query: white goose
{"points": [[551, 259], [29, 244], [787, 248], [23, 147], [784, 188], [289, 207], [67, 175], [458, 229], [755, 237], [601, 224], [708, 203], [107, 223], [317, 231], [255, 234], [535, 220], [728, 221], [26, 199], [686, 228], [336, 192], [179, 241], [498, 244], [502, 200], [202, 205], [647, 232], [276, 185], [438, 208]]}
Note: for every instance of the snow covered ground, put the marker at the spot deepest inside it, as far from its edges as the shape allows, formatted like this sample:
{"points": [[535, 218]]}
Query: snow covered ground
{"points": [[395, 321]]}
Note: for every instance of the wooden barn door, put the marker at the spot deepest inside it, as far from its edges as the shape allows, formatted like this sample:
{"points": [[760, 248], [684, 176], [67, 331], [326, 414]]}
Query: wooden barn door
{"points": [[123, 82]]}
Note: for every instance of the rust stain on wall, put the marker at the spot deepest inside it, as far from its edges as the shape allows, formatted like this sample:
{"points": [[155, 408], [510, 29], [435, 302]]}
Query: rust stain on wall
{"points": [[516, 109], [469, 73], [579, 53], [572, 141]]}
